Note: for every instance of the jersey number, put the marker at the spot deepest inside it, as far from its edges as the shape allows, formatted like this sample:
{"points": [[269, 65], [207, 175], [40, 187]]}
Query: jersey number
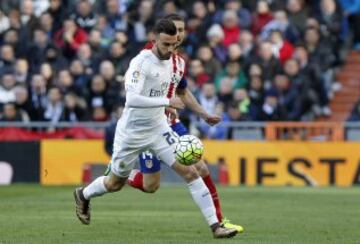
{"points": [[170, 137]]}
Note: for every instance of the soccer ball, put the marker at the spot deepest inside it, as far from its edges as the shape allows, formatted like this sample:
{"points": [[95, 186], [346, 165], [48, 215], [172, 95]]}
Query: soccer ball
{"points": [[189, 149]]}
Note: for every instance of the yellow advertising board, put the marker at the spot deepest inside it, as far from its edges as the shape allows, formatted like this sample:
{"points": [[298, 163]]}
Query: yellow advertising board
{"points": [[249, 163], [62, 161], [288, 163]]}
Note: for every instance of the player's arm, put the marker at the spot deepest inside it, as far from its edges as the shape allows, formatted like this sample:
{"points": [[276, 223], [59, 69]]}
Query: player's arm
{"points": [[190, 101], [134, 82]]}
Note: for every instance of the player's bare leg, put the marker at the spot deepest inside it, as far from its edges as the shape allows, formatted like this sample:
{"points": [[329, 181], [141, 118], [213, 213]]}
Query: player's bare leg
{"points": [[202, 198], [98, 187], [204, 172]]}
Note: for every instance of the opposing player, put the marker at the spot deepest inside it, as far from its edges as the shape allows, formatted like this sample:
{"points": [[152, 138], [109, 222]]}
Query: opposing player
{"points": [[148, 178], [143, 126]]}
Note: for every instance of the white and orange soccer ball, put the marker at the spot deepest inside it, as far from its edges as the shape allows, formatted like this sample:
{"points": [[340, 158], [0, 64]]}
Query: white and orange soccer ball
{"points": [[189, 149]]}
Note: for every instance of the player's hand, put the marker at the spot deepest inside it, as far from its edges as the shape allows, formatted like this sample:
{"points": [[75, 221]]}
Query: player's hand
{"points": [[176, 103], [212, 119], [171, 113]]}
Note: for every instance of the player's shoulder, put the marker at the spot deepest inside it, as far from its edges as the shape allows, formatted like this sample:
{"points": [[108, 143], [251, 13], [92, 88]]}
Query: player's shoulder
{"points": [[143, 59]]}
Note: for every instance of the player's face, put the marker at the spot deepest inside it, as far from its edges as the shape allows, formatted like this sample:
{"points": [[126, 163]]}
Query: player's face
{"points": [[165, 45], [180, 27]]}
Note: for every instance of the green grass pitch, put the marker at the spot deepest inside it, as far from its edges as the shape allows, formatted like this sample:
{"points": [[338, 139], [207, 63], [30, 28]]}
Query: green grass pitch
{"points": [[35, 214]]}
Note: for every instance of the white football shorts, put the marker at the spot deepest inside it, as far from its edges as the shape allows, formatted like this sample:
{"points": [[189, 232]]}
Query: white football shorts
{"points": [[127, 148]]}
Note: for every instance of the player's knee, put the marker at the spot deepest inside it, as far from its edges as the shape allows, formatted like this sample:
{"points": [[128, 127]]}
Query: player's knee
{"points": [[202, 168], [113, 186], [151, 187], [190, 174]]}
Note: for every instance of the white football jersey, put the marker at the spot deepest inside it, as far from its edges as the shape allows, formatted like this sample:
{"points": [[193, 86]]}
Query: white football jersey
{"points": [[150, 77]]}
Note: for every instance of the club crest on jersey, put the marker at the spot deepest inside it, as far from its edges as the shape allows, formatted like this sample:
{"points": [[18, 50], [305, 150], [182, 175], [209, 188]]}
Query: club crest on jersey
{"points": [[149, 163], [135, 76]]}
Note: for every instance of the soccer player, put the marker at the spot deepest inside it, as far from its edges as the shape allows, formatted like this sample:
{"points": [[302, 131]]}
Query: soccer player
{"points": [[148, 178], [143, 125]]}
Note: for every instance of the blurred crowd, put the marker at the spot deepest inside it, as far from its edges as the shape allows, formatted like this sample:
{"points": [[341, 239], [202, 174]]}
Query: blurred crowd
{"points": [[266, 60]]}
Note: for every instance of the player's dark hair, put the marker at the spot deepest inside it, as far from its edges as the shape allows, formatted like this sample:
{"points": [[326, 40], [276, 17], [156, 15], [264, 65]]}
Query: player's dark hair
{"points": [[165, 26], [174, 17]]}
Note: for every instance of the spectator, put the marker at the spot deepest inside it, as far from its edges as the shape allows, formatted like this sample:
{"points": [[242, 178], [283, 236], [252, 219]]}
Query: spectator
{"points": [[243, 14], [97, 96], [7, 85], [37, 50], [55, 106], [315, 85], [69, 38], [211, 65], [235, 53], [47, 24], [118, 55], [246, 42], [81, 79], [282, 24], [269, 64], [114, 87], [65, 82], [261, 17], [4, 22], [22, 75], [144, 20], [305, 93], [297, 14], [86, 57], [235, 114], [58, 13], [22, 102], [288, 97], [225, 91], [234, 73], [28, 18], [230, 27], [10, 113], [74, 108], [39, 100], [54, 57], [7, 59], [215, 36], [197, 72], [116, 19], [208, 98], [331, 20], [96, 44], [84, 17], [12, 38], [47, 73], [283, 49], [256, 95], [240, 96], [40, 6], [105, 29], [270, 109]]}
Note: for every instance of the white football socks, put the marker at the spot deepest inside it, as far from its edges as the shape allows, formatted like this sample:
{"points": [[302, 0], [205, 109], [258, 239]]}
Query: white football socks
{"points": [[95, 189], [202, 198]]}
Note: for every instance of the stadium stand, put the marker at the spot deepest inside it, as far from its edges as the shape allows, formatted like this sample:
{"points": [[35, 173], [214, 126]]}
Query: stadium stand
{"points": [[266, 60]]}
